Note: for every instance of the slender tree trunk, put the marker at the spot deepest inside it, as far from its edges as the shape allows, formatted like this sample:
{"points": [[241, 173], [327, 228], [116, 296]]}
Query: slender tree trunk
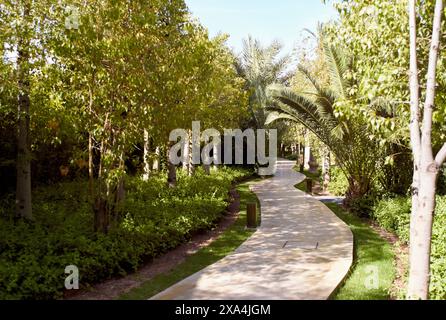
{"points": [[90, 165], [421, 235], [101, 206], [426, 168], [156, 160], [23, 187], [415, 143], [120, 190], [171, 172], [146, 174], [298, 150], [191, 155], [90, 149], [326, 169], [186, 156]]}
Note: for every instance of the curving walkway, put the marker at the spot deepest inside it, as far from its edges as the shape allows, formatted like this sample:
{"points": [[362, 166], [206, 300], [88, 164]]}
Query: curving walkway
{"points": [[302, 251]]}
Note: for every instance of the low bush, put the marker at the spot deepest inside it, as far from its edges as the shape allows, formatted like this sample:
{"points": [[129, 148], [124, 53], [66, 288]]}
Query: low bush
{"points": [[154, 219], [394, 215]]}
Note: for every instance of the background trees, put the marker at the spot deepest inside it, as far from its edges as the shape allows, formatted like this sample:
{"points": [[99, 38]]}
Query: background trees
{"points": [[104, 81], [314, 104]]}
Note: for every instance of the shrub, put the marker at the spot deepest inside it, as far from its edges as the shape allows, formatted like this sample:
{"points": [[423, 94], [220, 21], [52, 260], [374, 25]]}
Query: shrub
{"points": [[154, 219], [394, 215], [338, 182]]}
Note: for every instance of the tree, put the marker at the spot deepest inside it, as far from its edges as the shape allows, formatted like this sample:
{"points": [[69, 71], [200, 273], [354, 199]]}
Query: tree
{"points": [[426, 165], [314, 105], [25, 27], [260, 66], [23, 191]]}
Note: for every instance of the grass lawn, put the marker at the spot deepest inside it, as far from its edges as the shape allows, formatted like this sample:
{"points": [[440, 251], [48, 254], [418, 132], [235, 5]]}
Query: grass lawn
{"points": [[301, 186], [373, 256], [230, 240]]}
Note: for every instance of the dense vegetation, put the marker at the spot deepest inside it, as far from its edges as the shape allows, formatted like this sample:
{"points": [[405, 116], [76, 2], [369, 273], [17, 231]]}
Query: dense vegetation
{"points": [[154, 219], [394, 215], [90, 91], [230, 240]]}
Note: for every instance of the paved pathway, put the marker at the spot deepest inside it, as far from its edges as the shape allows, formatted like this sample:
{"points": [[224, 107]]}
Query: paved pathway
{"points": [[302, 251]]}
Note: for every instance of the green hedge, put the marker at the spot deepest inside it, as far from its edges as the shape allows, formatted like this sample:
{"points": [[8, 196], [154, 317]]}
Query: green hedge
{"points": [[155, 219], [394, 215]]}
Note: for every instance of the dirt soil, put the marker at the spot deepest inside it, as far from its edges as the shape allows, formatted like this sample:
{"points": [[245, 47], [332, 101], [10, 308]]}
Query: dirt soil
{"points": [[113, 288]]}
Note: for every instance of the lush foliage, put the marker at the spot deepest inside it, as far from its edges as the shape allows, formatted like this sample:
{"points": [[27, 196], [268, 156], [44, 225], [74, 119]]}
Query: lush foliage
{"points": [[230, 240], [394, 215], [338, 182], [154, 219], [314, 105]]}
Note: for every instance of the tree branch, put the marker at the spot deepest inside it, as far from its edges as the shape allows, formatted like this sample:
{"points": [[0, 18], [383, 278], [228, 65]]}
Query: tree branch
{"points": [[431, 83], [441, 156], [415, 136]]}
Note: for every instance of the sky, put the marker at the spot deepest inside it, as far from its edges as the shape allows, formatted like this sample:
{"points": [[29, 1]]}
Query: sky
{"points": [[266, 20]]}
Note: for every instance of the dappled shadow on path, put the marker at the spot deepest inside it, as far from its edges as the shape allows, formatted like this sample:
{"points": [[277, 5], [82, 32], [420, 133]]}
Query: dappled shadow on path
{"points": [[301, 251]]}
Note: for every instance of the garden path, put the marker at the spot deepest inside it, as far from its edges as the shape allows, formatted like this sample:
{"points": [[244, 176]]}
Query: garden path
{"points": [[302, 251]]}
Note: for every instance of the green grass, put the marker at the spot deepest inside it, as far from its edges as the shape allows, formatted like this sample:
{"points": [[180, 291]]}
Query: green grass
{"points": [[230, 240], [302, 186], [372, 254], [315, 176]]}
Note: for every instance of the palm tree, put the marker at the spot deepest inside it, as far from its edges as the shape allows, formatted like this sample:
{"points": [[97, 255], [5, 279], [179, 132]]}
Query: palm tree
{"points": [[313, 105], [260, 66]]}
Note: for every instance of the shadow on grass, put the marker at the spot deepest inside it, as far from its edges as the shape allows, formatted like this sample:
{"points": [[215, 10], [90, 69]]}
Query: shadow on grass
{"points": [[230, 240]]}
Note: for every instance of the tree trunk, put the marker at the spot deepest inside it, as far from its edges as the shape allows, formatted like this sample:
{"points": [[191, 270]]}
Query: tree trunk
{"points": [[191, 155], [90, 146], [171, 172], [186, 156], [90, 165], [146, 174], [420, 242], [307, 158], [298, 151], [23, 186], [156, 160], [120, 191], [425, 167], [101, 206], [326, 169]]}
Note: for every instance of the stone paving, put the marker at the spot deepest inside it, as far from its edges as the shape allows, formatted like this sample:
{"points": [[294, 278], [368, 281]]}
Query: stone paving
{"points": [[302, 251]]}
